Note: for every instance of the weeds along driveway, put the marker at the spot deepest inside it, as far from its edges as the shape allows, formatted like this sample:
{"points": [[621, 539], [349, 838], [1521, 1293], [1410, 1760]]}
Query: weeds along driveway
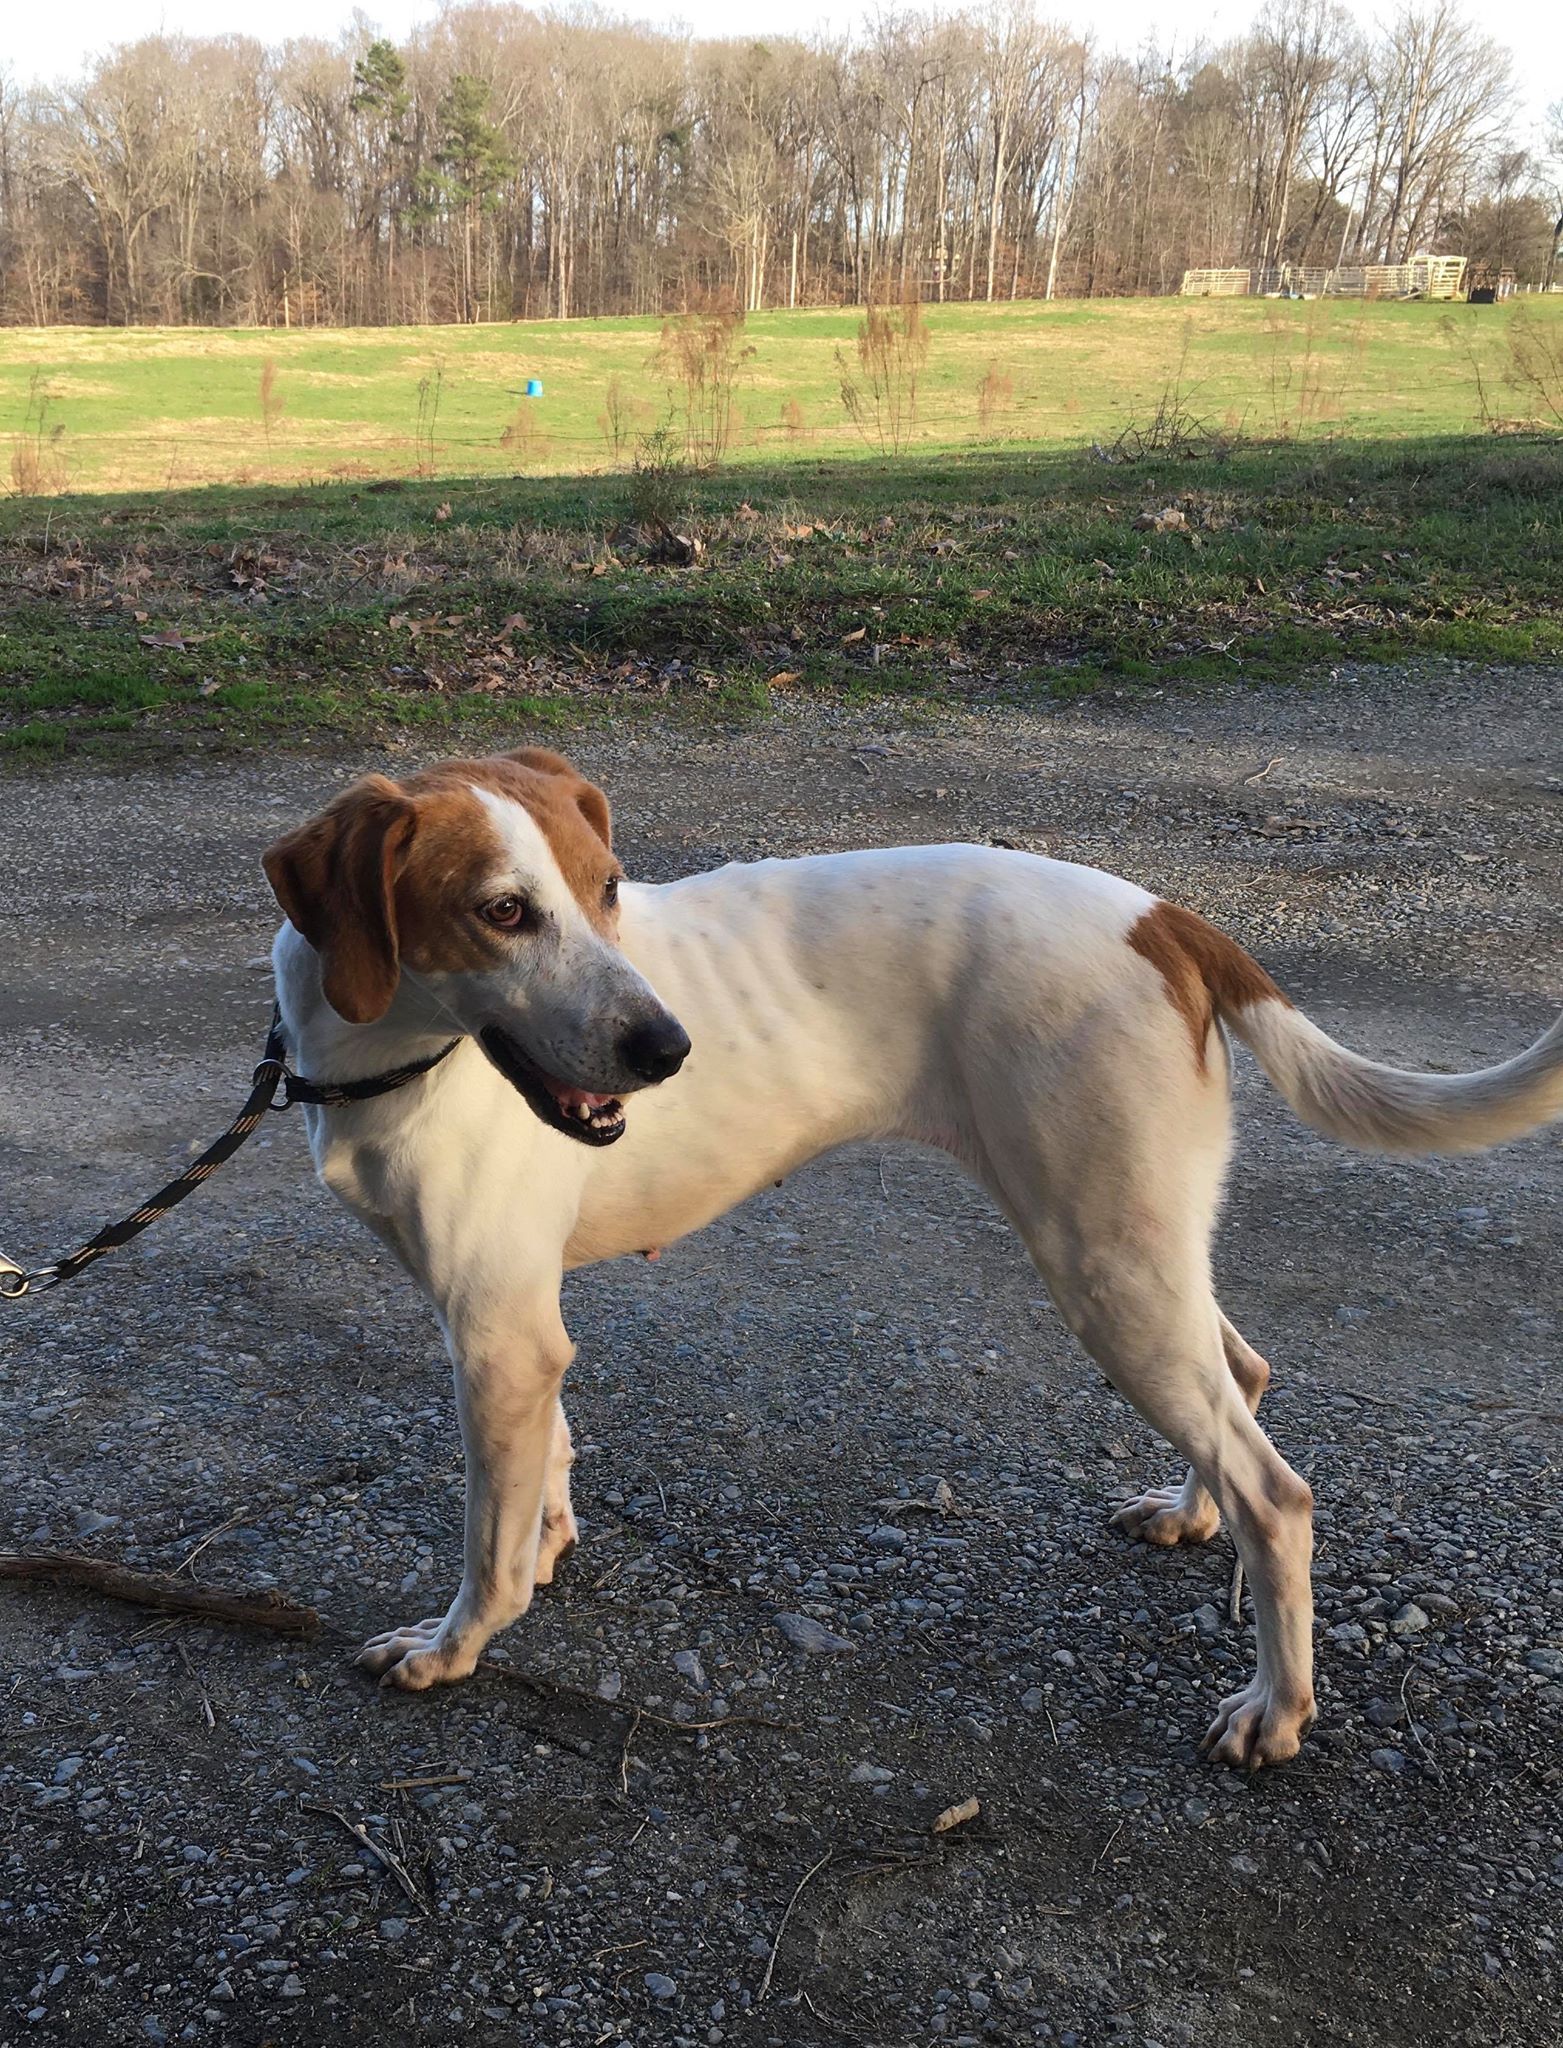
{"points": [[253, 615], [765, 1419]]}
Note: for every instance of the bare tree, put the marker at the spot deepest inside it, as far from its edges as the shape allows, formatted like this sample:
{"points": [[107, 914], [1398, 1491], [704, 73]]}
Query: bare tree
{"points": [[501, 162], [1444, 94], [1299, 47]]}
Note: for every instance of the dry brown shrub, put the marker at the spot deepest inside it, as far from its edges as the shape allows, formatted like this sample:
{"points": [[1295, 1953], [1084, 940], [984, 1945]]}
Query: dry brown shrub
{"points": [[38, 463], [995, 394], [272, 404], [616, 421], [880, 393], [523, 438], [1535, 364], [701, 354], [431, 389]]}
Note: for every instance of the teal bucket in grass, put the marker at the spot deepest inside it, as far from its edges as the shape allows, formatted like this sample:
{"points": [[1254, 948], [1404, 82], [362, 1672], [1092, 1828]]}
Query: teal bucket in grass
{"points": [[534, 387]]}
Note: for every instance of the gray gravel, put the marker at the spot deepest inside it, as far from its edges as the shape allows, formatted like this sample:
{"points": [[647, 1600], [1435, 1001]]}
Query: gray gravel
{"points": [[842, 1471]]}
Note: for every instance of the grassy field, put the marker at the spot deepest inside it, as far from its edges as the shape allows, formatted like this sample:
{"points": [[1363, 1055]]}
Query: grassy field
{"points": [[166, 409], [203, 574]]}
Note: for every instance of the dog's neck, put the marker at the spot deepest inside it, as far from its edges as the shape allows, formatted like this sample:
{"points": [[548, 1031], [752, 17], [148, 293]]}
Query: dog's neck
{"points": [[322, 1047]]}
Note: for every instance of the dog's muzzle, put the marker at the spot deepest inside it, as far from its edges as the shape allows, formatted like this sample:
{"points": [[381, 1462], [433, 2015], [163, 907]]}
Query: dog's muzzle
{"points": [[651, 1051]]}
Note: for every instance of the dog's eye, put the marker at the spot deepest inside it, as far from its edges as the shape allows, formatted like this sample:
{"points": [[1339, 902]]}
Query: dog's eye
{"points": [[504, 913], [610, 893]]}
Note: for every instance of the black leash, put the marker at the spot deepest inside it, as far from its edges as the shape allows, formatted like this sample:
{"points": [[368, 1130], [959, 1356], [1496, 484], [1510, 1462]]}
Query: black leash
{"points": [[273, 1074]]}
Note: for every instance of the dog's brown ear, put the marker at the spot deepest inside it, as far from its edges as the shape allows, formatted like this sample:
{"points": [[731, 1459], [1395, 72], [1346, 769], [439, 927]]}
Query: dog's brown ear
{"points": [[336, 881], [586, 796]]}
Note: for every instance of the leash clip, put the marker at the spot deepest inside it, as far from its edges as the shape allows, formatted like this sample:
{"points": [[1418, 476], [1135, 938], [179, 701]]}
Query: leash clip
{"points": [[14, 1282], [275, 1072]]}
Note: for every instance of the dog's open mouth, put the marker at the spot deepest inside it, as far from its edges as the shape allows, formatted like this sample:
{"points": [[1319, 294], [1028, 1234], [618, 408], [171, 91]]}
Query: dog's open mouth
{"points": [[593, 1119]]}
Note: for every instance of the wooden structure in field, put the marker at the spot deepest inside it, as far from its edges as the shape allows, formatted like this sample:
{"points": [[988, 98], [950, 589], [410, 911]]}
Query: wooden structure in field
{"points": [[1424, 277], [1215, 284]]}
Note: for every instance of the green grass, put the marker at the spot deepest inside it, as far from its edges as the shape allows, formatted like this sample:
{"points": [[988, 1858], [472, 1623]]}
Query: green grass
{"points": [[161, 409], [1370, 523]]}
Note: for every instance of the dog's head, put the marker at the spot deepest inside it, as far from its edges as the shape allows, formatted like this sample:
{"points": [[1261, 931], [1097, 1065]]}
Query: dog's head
{"points": [[493, 884]]}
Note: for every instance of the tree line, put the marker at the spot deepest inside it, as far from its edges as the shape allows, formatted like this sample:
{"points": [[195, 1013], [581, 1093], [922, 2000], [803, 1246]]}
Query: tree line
{"points": [[503, 163]]}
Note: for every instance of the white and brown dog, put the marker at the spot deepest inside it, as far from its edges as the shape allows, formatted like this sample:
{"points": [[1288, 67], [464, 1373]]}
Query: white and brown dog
{"points": [[1054, 1029]]}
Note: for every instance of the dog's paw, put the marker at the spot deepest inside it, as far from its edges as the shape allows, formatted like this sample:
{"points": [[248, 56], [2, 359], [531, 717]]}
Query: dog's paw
{"points": [[416, 1657], [1255, 1727], [1163, 1516]]}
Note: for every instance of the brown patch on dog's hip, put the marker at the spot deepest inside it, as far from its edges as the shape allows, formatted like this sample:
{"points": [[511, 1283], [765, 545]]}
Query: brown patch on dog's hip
{"points": [[1206, 974]]}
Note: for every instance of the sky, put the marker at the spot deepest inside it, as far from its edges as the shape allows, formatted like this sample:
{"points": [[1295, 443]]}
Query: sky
{"points": [[46, 42]]}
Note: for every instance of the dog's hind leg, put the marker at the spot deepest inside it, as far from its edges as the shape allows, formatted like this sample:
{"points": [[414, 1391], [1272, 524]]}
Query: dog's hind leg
{"points": [[1154, 1328], [1118, 1222], [1141, 1305], [560, 1530], [1188, 1514]]}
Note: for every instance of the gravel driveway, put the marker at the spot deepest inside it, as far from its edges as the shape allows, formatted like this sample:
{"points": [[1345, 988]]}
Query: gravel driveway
{"points": [[845, 1418]]}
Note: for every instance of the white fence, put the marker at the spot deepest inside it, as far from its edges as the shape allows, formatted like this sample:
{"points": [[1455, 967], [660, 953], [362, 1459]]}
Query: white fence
{"points": [[1424, 277]]}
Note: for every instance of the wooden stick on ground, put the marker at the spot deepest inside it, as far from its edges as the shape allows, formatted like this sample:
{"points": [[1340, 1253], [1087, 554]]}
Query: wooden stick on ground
{"points": [[393, 1864], [770, 1968], [159, 1591]]}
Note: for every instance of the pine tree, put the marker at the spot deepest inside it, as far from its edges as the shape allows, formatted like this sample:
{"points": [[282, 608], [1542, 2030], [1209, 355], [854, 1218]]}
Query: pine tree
{"points": [[473, 165], [381, 101]]}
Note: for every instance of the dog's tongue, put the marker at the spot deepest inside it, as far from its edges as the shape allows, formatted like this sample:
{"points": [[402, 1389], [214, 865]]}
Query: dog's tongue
{"points": [[572, 1098]]}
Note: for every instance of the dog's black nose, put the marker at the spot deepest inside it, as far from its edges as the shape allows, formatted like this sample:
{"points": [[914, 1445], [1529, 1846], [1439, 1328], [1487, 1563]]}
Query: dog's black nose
{"points": [[654, 1050]]}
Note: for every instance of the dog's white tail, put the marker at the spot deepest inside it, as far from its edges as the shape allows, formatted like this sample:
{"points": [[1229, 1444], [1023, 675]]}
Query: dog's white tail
{"points": [[1385, 1109], [1372, 1107]]}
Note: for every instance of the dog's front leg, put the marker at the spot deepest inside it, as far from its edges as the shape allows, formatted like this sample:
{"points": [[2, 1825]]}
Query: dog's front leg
{"points": [[508, 1374]]}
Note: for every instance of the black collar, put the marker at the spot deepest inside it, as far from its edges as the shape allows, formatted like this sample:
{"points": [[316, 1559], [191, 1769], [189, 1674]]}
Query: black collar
{"points": [[336, 1094]]}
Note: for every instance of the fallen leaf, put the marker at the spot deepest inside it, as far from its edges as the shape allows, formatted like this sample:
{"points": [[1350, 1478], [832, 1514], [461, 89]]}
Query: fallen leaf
{"points": [[784, 678], [404, 621], [851, 639], [956, 1816], [442, 512]]}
